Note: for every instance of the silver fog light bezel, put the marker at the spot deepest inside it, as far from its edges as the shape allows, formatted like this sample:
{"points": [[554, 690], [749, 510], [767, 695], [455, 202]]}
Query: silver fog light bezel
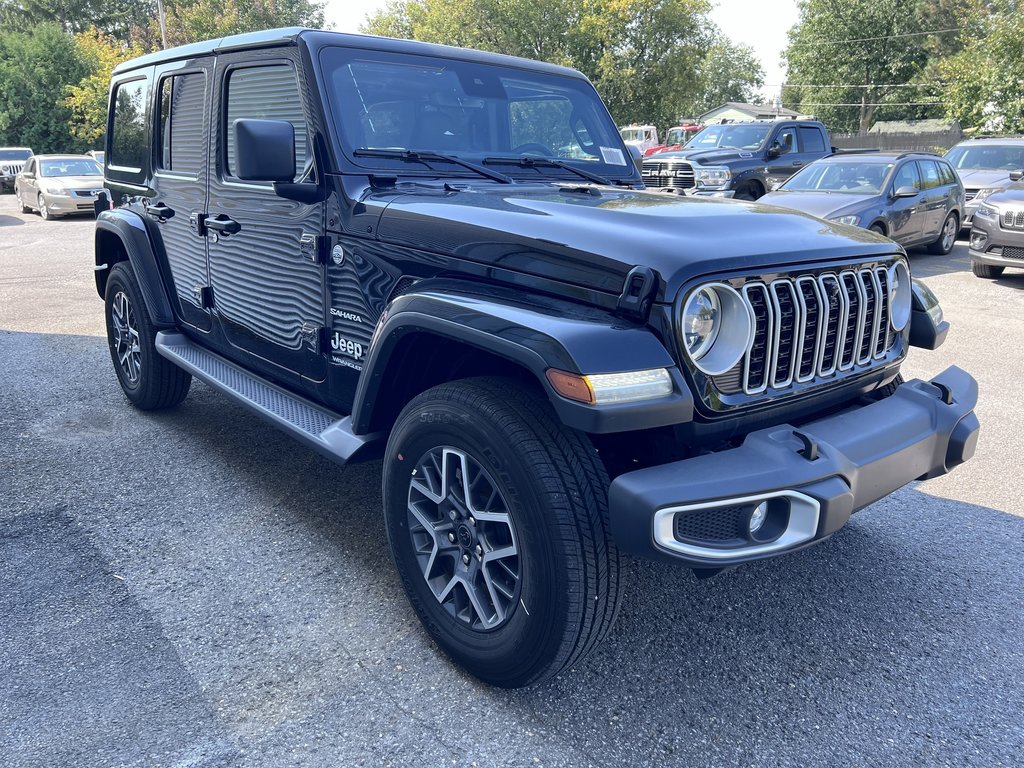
{"points": [[734, 334], [900, 297]]}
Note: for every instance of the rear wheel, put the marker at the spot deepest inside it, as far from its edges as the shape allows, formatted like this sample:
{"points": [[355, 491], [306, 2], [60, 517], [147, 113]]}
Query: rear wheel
{"points": [[985, 270], [947, 237], [21, 203], [497, 520], [148, 380]]}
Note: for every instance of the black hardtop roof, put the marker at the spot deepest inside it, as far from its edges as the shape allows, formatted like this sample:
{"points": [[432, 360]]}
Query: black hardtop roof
{"points": [[316, 38]]}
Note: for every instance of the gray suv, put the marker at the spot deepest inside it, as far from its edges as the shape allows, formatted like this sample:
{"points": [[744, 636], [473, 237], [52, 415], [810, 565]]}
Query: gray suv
{"points": [[12, 160], [984, 166], [997, 237]]}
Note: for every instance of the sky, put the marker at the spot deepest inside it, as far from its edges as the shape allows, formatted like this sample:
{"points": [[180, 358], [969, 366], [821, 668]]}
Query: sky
{"points": [[761, 24]]}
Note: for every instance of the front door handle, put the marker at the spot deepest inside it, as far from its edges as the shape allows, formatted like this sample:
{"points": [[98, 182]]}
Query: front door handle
{"points": [[159, 211], [225, 225]]}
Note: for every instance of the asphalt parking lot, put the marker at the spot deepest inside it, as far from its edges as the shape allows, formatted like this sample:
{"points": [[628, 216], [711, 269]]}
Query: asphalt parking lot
{"points": [[192, 588]]}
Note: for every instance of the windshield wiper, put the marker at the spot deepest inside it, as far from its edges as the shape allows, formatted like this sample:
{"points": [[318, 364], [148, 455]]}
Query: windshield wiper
{"points": [[426, 156], [531, 161]]}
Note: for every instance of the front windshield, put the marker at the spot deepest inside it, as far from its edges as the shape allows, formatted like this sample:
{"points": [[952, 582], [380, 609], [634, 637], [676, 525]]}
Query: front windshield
{"points": [[675, 136], [387, 102], [987, 157], [733, 136], [72, 166], [846, 177], [632, 134], [15, 154]]}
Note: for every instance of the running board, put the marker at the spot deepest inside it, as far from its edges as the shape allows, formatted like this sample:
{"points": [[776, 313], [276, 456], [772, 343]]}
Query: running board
{"points": [[314, 425]]}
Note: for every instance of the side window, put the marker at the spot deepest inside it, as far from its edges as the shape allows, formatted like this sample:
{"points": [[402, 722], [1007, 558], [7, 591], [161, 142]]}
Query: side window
{"points": [[930, 174], [30, 166], [811, 140], [946, 173], [182, 102], [267, 93], [128, 143], [907, 176], [786, 139]]}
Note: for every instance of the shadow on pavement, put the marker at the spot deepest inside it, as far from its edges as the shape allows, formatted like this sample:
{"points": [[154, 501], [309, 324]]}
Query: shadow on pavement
{"points": [[10, 221]]}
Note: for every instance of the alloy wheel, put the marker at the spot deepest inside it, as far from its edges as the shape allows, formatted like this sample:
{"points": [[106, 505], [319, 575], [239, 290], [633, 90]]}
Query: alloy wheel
{"points": [[44, 212], [464, 538], [949, 233], [126, 337]]}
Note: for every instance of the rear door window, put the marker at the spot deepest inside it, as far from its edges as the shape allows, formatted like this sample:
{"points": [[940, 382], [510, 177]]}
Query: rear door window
{"points": [[930, 174], [182, 136], [811, 140]]}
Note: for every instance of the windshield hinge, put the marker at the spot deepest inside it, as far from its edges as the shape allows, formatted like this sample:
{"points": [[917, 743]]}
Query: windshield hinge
{"points": [[313, 248], [637, 293]]}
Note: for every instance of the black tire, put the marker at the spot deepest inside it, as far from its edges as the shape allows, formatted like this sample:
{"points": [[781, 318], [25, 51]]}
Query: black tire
{"points": [[986, 271], [947, 235], [749, 191], [878, 229], [554, 487], [44, 210], [883, 392], [149, 381], [21, 203]]}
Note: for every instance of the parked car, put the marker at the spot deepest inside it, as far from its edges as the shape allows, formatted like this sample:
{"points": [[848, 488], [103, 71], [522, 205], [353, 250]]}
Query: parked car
{"points": [[643, 137], [12, 160], [372, 244], [997, 236], [97, 155], [742, 160], [676, 138], [913, 198], [57, 185], [984, 166]]}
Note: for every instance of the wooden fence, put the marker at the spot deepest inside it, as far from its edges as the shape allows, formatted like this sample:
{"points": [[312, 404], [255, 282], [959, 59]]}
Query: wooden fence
{"points": [[938, 141]]}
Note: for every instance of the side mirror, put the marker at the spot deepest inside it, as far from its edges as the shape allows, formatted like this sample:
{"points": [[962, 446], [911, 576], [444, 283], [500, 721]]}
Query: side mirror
{"points": [[774, 151], [637, 155], [264, 150], [1016, 175], [906, 191]]}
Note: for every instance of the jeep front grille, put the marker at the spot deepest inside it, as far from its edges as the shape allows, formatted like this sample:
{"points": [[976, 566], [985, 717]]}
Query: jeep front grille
{"points": [[813, 326], [660, 174], [12, 169], [1013, 220]]}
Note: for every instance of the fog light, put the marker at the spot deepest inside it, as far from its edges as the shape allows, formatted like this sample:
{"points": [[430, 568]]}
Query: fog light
{"points": [[757, 517], [978, 240]]}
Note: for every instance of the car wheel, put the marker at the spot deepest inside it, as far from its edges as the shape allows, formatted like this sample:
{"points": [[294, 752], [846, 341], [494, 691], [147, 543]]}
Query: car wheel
{"points": [[149, 381], [877, 229], [750, 191], [44, 210], [947, 237], [497, 520], [21, 203], [987, 271]]}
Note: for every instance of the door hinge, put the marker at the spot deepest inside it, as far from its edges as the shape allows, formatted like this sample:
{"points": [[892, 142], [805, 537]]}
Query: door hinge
{"points": [[317, 337], [204, 295], [313, 248], [197, 223]]}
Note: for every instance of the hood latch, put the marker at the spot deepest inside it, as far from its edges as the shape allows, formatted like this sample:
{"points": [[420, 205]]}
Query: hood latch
{"points": [[637, 293]]}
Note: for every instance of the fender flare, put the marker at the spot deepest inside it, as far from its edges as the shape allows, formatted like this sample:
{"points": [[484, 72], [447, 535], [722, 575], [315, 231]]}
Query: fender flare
{"points": [[536, 338], [128, 227]]}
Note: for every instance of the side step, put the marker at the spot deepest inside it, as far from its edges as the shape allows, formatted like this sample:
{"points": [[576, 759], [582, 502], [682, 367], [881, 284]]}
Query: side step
{"points": [[319, 428]]}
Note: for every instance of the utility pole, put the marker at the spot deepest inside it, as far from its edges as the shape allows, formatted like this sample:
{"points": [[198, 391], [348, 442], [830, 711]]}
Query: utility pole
{"points": [[163, 22]]}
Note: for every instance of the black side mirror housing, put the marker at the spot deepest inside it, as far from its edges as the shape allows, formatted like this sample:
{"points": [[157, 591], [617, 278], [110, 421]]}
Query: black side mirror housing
{"points": [[637, 155], [773, 151], [1016, 175], [264, 150], [906, 191]]}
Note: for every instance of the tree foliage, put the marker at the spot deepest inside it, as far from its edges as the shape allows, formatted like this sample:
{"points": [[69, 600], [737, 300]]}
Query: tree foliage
{"points": [[35, 69], [866, 53], [191, 20], [122, 19], [87, 99], [647, 58]]}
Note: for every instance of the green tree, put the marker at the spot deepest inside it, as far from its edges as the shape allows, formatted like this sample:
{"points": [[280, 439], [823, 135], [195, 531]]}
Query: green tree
{"points": [[986, 78], [870, 54], [35, 69], [123, 19], [644, 56], [189, 21], [87, 99], [727, 72]]}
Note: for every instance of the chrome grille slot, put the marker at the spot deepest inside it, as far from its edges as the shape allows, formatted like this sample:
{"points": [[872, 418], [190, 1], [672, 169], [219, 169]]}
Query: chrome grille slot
{"points": [[756, 369], [1013, 220], [816, 326]]}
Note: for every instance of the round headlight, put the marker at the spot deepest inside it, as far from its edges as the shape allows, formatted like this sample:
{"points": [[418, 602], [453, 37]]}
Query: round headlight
{"points": [[716, 326], [899, 295]]}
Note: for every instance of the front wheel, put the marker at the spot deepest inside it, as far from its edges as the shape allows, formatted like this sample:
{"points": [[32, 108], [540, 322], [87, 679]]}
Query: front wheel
{"points": [[148, 380], [44, 210], [750, 191], [497, 519], [947, 237], [986, 271]]}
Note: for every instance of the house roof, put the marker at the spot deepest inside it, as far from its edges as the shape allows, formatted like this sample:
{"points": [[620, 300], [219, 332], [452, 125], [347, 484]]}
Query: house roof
{"points": [[752, 109]]}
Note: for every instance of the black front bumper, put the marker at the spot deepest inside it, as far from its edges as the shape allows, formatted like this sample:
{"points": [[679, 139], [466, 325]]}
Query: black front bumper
{"points": [[811, 478]]}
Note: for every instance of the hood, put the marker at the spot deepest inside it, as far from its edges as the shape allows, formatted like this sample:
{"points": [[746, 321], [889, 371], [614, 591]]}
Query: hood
{"points": [[73, 182], [593, 236], [1012, 195], [714, 156], [822, 204], [979, 179]]}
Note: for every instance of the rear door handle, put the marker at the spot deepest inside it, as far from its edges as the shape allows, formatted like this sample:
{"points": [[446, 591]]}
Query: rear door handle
{"points": [[225, 225], [159, 211]]}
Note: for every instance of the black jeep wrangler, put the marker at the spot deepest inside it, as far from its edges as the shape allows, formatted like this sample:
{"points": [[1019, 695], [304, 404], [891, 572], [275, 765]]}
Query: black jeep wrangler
{"points": [[447, 258]]}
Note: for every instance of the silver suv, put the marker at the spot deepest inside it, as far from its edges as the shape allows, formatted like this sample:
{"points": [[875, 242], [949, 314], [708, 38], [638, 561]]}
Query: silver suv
{"points": [[997, 238], [984, 166]]}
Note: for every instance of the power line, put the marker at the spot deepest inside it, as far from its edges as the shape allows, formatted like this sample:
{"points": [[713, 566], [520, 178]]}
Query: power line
{"points": [[854, 85], [877, 104], [872, 39]]}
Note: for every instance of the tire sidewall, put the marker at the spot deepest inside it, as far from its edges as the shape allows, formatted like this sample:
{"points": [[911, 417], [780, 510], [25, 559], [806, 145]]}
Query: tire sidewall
{"points": [[120, 281], [531, 630]]}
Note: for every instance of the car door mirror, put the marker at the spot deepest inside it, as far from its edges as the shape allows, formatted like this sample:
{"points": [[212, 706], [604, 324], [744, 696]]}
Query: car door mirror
{"points": [[264, 150], [1016, 175], [774, 151], [637, 155], [906, 191]]}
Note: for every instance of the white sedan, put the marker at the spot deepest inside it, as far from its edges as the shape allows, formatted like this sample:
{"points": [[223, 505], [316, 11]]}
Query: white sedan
{"points": [[56, 185]]}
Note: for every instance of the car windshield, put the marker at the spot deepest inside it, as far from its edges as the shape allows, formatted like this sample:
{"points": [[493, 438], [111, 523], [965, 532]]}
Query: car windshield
{"points": [[98, 157], [676, 136], [731, 136], [15, 154], [475, 112], [987, 157], [846, 177], [633, 134], [72, 166]]}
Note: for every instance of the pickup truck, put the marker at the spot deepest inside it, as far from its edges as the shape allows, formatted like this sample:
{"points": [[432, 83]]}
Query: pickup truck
{"points": [[742, 160]]}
